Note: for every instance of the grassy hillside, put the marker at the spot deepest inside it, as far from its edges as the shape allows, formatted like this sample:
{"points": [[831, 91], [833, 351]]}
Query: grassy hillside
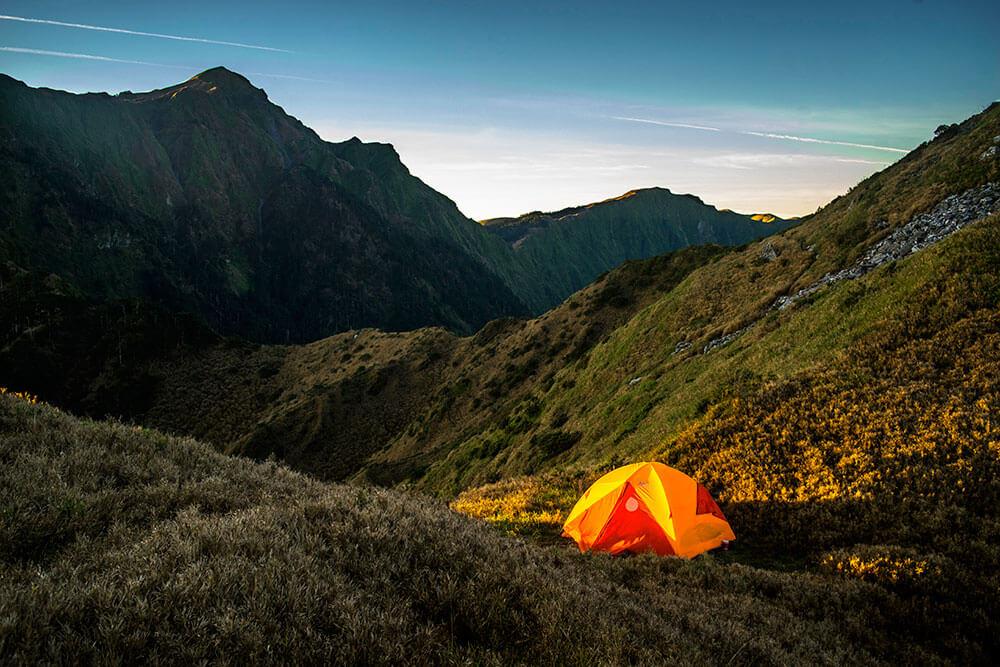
{"points": [[616, 372], [126, 545], [881, 464], [327, 407]]}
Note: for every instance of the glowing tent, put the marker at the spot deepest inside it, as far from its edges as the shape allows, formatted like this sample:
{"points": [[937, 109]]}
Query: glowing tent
{"points": [[647, 507]]}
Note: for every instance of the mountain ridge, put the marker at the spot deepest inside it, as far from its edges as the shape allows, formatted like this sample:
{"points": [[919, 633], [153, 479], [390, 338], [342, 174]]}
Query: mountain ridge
{"points": [[178, 195]]}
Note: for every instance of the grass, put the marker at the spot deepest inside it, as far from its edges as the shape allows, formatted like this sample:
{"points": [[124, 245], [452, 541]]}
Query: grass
{"points": [[120, 544]]}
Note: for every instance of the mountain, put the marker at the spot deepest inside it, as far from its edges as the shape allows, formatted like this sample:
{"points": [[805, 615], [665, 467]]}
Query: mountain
{"points": [[639, 224], [207, 198], [616, 371]]}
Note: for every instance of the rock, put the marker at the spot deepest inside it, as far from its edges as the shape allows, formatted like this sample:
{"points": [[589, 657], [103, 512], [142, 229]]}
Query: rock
{"points": [[635, 381], [722, 341], [989, 153], [950, 215], [768, 252], [681, 346]]}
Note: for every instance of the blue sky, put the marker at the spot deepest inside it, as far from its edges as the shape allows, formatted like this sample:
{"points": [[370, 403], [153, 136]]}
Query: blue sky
{"points": [[510, 107]]}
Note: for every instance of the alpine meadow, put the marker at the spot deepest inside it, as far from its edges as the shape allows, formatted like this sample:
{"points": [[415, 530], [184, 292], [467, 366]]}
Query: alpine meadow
{"points": [[267, 396]]}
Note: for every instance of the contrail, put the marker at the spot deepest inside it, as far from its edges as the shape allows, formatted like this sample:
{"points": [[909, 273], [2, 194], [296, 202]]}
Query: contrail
{"points": [[108, 59], [810, 140], [663, 122], [766, 135], [87, 56], [180, 38]]}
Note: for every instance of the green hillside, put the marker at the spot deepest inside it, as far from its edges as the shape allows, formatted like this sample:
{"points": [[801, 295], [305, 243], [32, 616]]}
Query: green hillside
{"points": [[616, 372]]}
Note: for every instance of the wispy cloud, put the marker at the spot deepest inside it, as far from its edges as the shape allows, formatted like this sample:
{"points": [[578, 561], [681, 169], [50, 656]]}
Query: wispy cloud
{"points": [[810, 140], [650, 121], [109, 59], [140, 33], [87, 56]]}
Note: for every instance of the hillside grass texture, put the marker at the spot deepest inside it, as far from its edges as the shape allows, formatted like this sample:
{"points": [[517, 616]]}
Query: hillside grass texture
{"points": [[121, 544]]}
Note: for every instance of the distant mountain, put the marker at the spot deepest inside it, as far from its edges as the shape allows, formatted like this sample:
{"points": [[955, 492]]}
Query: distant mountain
{"points": [[573, 246], [207, 198]]}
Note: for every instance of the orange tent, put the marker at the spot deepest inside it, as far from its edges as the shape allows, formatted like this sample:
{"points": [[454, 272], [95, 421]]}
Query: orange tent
{"points": [[647, 507]]}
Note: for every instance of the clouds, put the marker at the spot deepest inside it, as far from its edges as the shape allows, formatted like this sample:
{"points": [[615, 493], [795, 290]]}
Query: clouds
{"points": [[496, 171], [139, 33], [828, 142], [749, 161]]}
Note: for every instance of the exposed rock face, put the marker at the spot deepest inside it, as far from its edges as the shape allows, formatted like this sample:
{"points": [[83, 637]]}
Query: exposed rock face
{"points": [[923, 230], [768, 252], [681, 346]]}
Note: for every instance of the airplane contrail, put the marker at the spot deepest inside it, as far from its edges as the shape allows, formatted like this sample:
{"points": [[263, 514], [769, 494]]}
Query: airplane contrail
{"points": [[766, 135], [668, 124], [123, 31], [108, 59], [810, 140], [87, 56]]}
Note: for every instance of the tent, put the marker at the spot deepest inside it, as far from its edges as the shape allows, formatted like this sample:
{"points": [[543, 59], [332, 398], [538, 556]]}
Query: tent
{"points": [[647, 507]]}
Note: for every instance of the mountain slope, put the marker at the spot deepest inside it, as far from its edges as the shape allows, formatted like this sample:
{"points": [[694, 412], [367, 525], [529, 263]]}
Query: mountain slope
{"points": [[638, 224], [205, 197], [208, 198], [616, 372]]}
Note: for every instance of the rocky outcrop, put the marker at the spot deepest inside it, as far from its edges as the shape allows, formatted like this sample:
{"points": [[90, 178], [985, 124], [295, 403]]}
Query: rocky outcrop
{"points": [[722, 341], [925, 229]]}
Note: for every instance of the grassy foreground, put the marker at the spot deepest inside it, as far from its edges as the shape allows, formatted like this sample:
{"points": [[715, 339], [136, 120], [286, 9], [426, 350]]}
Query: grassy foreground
{"points": [[121, 544]]}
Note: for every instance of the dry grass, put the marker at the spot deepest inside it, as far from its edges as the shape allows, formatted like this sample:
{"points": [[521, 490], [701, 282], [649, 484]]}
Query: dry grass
{"points": [[124, 545]]}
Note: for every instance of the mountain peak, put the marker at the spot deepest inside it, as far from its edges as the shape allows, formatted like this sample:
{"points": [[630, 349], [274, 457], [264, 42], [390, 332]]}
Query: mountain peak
{"points": [[220, 76], [225, 81], [217, 81]]}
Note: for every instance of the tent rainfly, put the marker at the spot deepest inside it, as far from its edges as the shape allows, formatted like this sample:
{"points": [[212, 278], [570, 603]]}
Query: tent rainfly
{"points": [[647, 507]]}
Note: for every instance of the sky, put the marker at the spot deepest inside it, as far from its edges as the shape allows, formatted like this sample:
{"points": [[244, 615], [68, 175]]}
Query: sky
{"points": [[510, 107]]}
